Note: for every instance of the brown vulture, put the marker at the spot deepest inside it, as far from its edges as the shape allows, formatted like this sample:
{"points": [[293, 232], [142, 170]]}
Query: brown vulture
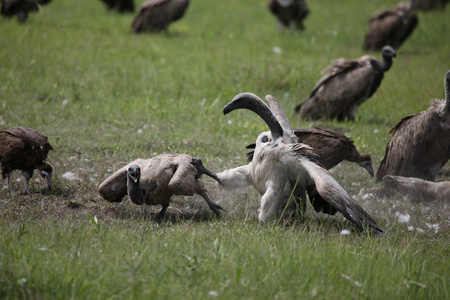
{"points": [[390, 27], [154, 181], [156, 15], [345, 85], [21, 8], [121, 6], [331, 147], [420, 143], [290, 13], [428, 4], [24, 149], [283, 171]]}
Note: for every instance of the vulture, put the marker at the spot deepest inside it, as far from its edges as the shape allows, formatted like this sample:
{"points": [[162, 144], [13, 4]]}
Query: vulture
{"points": [[390, 27], [154, 181], [345, 85], [290, 13], [282, 167], [414, 189], [331, 147], [21, 8], [420, 143], [156, 15], [24, 149], [121, 6], [428, 4]]}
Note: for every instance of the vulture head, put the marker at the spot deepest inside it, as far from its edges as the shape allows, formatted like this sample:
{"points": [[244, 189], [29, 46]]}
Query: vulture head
{"points": [[366, 163], [133, 177], [254, 103], [387, 52], [46, 171]]}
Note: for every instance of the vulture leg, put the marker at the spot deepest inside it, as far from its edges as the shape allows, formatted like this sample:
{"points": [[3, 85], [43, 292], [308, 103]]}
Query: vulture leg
{"points": [[22, 15], [280, 26], [213, 206], [160, 216], [27, 176]]}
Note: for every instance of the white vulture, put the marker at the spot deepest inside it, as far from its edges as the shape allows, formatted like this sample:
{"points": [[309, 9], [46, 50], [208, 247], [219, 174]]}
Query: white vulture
{"points": [[420, 143], [154, 181], [331, 147], [282, 167], [345, 85]]}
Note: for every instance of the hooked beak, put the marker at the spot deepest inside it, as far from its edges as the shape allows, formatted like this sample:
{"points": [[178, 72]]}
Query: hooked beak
{"points": [[47, 177]]}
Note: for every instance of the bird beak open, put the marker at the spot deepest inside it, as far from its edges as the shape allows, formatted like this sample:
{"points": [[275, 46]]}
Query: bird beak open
{"points": [[135, 178]]}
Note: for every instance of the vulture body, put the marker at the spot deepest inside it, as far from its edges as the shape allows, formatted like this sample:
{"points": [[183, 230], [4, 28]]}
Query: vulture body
{"points": [[344, 86], [154, 181], [390, 27], [156, 15], [24, 149], [290, 13], [415, 189], [21, 8], [121, 6], [420, 143], [281, 167], [331, 148], [428, 4]]}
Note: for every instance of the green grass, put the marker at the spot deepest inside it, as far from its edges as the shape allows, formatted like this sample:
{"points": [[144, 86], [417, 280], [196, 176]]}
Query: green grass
{"points": [[104, 97]]}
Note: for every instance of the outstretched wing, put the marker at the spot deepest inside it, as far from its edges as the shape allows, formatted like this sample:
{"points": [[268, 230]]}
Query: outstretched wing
{"points": [[324, 191]]}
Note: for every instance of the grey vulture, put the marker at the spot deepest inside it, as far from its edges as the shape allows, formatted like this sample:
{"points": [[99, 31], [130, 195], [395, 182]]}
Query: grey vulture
{"points": [[21, 8], [24, 149], [156, 15], [420, 143], [390, 27], [290, 13], [282, 167], [345, 85], [120, 6], [331, 147], [154, 181], [414, 189]]}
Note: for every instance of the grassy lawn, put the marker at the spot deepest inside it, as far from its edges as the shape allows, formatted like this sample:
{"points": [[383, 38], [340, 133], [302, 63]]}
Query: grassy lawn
{"points": [[105, 97]]}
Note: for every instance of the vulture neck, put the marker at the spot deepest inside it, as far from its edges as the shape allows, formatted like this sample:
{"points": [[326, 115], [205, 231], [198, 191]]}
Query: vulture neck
{"points": [[255, 104], [387, 63], [136, 194]]}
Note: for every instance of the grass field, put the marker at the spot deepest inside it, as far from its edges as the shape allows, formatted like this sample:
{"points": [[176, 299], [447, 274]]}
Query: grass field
{"points": [[104, 97]]}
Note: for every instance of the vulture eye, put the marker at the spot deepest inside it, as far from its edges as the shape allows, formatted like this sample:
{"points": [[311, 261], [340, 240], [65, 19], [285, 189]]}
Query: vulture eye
{"points": [[264, 139]]}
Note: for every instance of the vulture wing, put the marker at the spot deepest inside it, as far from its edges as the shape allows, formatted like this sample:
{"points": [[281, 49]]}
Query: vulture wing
{"points": [[325, 193]]}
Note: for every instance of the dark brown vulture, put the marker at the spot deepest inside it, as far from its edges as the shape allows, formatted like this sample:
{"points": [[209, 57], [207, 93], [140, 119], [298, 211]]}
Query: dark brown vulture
{"points": [[283, 171], [154, 181], [390, 27], [330, 146], [420, 143], [290, 13], [21, 8], [428, 4], [121, 6], [24, 149], [345, 86], [156, 15]]}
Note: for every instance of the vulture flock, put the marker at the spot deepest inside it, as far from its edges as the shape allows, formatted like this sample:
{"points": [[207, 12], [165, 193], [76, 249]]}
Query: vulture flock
{"points": [[286, 166]]}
